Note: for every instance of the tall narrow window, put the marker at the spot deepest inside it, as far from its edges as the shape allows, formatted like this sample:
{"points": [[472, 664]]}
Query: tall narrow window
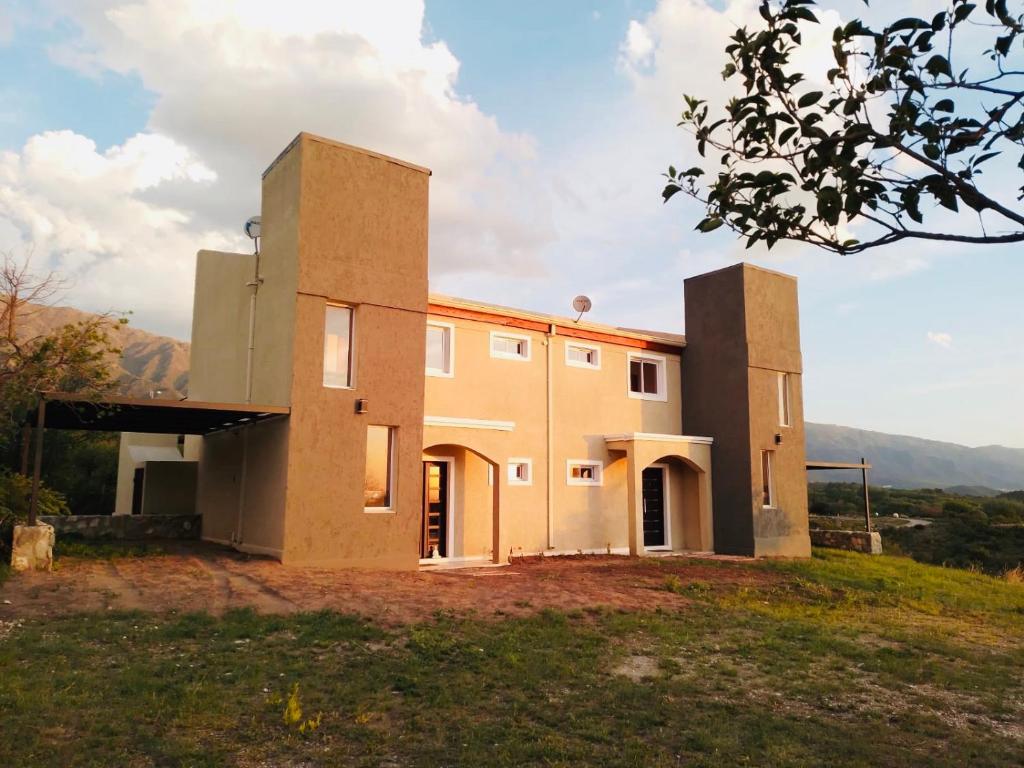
{"points": [[767, 487], [380, 444], [784, 413], [338, 347], [440, 349], [647, 377]]}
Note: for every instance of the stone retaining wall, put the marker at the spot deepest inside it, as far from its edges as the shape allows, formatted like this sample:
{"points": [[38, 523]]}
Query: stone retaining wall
{"points": [[855, 541], [125, 527]]}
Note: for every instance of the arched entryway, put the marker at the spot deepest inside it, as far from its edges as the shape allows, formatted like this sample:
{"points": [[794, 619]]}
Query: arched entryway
{"points": [[671, 505], [460, 519]]}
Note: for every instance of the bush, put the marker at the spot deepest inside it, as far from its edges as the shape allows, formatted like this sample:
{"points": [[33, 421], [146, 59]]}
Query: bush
{"points": [[15, 497]]}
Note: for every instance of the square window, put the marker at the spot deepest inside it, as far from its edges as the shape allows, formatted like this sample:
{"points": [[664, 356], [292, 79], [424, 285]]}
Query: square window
{"points": [[338, 346], [380, 473], [784, 411], [583, 472], [520, 472], [510, 346], [647, 377], [582, 355], [440, 349]]}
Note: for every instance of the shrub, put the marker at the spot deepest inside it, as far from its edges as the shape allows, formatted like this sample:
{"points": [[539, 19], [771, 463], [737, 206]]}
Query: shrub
{"points": [[15, 497]]}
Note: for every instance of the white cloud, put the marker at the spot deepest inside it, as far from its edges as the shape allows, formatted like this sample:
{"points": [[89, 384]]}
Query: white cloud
{"points": [[233, 83], [940, 339], [638, 45]]}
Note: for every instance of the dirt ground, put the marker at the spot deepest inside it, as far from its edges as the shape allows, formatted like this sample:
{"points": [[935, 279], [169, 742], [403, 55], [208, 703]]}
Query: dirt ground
{"points": [[199, 577]]}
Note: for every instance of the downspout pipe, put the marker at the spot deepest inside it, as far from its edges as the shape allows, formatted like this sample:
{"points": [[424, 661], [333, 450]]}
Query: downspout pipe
{"points": [[552, 332], [254, 285]]}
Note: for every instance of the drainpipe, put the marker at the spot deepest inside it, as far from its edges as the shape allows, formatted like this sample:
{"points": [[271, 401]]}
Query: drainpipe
{"points": [[552, 332], [254, 284]]}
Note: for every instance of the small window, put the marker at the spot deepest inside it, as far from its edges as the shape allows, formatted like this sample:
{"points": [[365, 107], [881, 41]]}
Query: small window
{"points": [[583, 472], [510, 346], [338, 347], [767, 481], [582, 355], [440, 349], [784, 412], [520, 472], [380, 473], [647, 377]]}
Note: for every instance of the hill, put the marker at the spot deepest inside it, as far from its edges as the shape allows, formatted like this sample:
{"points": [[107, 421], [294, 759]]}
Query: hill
{"points": [[148, 362], [913, 462]]}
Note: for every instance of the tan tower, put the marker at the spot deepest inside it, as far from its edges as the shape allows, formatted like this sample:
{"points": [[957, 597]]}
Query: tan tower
{"points": [[742, 384]]}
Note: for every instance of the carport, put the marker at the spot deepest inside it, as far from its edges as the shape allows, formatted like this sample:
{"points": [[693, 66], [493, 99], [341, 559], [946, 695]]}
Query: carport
{"points": [[60, 410]]}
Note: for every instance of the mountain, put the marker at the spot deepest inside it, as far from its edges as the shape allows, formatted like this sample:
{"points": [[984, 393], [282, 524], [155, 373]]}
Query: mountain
{"points": [[912, 462], [148, 363]]}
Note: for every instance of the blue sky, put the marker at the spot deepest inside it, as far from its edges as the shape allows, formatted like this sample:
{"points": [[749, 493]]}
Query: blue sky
{"points": [[133, 133]]}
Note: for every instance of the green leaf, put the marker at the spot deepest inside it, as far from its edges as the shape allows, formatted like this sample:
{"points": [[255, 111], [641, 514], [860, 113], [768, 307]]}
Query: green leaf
{"points": [[932, 151], [945, 105], [809, 98], [710, 224], [938, 65], [670, 189], [830, 204]]}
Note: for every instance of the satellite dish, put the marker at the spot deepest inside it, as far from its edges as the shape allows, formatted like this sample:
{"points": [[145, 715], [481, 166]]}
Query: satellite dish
{"points": [[581, 304], [252, 227]]}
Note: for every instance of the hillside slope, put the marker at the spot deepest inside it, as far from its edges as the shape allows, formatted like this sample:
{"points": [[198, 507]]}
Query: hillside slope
{"points": [[912, 462], [148, 362]]}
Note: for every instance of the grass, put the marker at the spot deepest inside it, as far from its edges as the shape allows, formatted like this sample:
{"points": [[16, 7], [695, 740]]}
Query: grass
{"points": [[842, 660], [68, 546]]}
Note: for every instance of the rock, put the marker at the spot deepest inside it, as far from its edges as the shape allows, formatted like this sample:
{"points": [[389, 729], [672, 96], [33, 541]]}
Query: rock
{"points": [[32, 547]]}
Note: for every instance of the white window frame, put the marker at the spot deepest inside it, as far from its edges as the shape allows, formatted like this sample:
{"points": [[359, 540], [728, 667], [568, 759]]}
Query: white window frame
{"points": [[512, 479], [785, 401], [662, 364], [771, 478], [351, 346], [598, 474], [595, 366], [528, 346], [392, 474], [450, 373]]}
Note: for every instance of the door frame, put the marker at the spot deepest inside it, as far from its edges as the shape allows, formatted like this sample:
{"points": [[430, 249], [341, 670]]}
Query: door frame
{"points": [[450, 516], [665, 507]]}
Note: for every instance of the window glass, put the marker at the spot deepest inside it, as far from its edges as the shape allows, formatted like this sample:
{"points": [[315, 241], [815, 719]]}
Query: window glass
{"points": [[766, 479], [645, 376], [519, 472], [650, 370], [584, 357], [379, 446], [439, 349], [338, 347], [509, 346], [784, 414]]}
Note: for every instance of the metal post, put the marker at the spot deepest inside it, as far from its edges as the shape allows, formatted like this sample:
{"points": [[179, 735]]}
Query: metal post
{"points": [[26, 446], [867, 499], [37, 470]]}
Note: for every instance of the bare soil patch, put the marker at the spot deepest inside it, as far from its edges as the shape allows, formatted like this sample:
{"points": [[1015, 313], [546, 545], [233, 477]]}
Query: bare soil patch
{"points": [[206, 578]]}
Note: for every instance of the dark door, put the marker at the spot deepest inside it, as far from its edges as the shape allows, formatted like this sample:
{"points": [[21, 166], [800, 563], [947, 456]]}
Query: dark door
{"points": [[435, 509], [137, 484], [654, 507]]}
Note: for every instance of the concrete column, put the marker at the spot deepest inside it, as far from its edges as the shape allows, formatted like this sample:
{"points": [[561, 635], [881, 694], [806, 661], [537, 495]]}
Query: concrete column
{"points": [[498, 527], [635, 497]]}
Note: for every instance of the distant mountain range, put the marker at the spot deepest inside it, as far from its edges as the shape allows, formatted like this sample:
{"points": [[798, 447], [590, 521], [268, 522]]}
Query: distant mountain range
{"points": [[152, 363], [149, 364], [912, 462]]}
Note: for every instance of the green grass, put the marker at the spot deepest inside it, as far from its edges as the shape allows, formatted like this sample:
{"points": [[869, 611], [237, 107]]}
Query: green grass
{"points": [[842, 660], [104, 550]]}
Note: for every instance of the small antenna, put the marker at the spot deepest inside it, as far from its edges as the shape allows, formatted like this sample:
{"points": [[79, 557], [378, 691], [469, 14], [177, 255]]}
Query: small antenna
{"points": [[581, 304]]}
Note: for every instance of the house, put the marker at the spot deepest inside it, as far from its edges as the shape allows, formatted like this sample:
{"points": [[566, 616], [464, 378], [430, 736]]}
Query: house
{"points": [[419, 428]]}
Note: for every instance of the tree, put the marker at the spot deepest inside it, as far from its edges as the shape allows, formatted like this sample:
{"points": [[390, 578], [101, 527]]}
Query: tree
{"points": [[73, 358], [898, 126]]}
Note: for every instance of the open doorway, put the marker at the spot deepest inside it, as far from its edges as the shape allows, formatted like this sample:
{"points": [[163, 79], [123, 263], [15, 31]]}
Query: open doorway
{"points": [[436, 508]]}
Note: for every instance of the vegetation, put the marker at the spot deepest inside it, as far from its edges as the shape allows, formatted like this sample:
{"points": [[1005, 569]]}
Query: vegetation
{"points": [[843, 660], [15, 496], [904, 121], [965, 531]]}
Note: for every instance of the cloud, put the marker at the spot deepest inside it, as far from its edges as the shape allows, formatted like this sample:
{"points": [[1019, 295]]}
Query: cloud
{"points": [[940, 339], [233, 82]]}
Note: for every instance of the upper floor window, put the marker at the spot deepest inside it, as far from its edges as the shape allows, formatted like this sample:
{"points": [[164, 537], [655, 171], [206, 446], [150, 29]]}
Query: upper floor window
{"points": [[784, 408], [510, 346], [440, 349], [583, 472], [378, 489], [647, 377], [520, 472], [582, 355], [338, 346]]}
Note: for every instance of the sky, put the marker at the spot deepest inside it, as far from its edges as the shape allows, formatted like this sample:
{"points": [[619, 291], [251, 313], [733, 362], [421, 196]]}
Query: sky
{"points": [[133, 133]]}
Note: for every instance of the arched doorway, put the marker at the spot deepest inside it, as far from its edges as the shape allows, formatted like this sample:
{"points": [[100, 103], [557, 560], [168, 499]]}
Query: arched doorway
{"points": [[672, 506], [460, 505]]}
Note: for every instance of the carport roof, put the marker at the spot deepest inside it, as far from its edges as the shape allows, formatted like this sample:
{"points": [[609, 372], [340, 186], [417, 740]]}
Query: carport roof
{"points": [[127, 414]]}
